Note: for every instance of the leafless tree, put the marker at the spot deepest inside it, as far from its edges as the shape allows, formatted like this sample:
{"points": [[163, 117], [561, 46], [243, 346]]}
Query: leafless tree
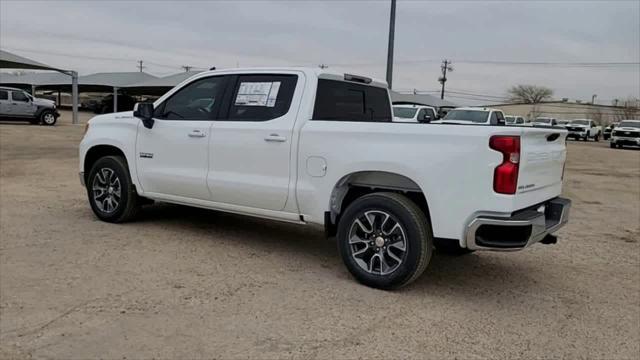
{"points": [[630, 108], [595, 114], [529, 94]]}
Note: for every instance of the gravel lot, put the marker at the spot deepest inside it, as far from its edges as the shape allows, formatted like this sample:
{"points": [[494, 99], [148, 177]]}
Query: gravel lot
{"points": [[189, 283]]}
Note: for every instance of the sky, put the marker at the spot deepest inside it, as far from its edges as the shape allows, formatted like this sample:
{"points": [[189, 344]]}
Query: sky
{"points": [[348, 36]]}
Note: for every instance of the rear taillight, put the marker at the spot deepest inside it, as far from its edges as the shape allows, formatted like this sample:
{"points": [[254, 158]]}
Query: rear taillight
{"points": [[505, 176]]}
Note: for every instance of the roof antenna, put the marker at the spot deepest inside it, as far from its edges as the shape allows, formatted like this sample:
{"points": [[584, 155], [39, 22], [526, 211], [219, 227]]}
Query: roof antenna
{"points": [[212, 68]]}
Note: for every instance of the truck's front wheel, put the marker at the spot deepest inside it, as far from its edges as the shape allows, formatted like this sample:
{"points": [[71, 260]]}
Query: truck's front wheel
{"points": [[385, 240], [112, 196]]}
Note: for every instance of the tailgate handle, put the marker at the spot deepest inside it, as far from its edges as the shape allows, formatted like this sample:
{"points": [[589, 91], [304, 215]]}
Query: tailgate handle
{"points": [[553, 137]]}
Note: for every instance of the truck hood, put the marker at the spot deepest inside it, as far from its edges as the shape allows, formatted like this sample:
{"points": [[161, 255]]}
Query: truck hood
{"points": [[626, 129], [44, 102], [578, 126]]}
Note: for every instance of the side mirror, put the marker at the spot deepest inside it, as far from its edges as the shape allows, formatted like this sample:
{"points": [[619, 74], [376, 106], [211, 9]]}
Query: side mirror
{"points": [[425, 119], [144, 112]]}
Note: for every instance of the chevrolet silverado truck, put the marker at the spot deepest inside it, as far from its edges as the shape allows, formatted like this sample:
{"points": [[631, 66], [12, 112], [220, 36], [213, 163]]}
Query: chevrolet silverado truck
{"points": [[584, 129], [627, 132], [317, 148]]}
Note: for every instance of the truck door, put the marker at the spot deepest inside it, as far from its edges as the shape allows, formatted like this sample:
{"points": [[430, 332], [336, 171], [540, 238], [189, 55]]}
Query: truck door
{"points": [[4, 103], [251, 144], [172, 157], [21, 105]]}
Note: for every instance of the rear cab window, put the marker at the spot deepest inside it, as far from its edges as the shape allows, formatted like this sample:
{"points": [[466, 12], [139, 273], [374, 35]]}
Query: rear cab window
{"points": [[347, 101], [4, 95]]}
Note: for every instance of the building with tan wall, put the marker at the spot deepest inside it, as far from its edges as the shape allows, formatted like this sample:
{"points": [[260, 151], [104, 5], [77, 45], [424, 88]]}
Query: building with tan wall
{"points": [[564, 110]]}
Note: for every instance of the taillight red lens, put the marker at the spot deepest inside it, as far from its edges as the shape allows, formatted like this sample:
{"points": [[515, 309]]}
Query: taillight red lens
{"points": [[505, 176]]}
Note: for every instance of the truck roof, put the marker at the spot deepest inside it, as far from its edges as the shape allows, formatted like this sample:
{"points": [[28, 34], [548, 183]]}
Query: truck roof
{"points": [[9, 88], [311, 71], [470, 108], [413, 106]]}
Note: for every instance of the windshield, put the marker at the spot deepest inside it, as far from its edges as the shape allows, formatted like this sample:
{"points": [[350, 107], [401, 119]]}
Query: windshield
{"points": [[632, 124], [405, 113], [543, 120], [580, 122], [478, 116], [563, 122], [510, 119]]}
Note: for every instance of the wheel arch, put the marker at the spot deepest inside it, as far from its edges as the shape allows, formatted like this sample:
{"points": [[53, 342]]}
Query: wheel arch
{"points": [[98, 151], [359, 183]]}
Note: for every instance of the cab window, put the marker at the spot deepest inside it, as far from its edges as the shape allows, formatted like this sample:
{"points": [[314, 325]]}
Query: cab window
{"points": [[199, 100], [19, 96]]}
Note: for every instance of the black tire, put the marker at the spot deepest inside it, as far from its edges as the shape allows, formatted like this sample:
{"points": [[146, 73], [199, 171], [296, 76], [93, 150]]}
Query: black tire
{"points": [[48, 118], [597, 138], [612, 145], [128, 203], [415, 230], [450, 247]]}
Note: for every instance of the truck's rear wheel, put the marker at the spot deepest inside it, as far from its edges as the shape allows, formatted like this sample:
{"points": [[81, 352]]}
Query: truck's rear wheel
{"points": [[385, 240], [111, 193]]}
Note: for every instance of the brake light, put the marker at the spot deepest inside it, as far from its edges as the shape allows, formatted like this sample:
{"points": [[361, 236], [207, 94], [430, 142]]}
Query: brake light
{"points": [[505, 176]]}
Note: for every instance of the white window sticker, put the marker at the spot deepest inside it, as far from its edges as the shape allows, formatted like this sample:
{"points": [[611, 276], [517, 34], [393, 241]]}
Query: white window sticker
{"points": [[258, 94]]}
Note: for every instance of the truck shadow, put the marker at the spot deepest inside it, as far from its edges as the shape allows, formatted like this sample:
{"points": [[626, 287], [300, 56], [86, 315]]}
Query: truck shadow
{"points": [[477, 275]]}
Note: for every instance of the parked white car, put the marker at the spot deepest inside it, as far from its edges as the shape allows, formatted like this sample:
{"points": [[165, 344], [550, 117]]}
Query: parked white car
{"points": [[584, 129], [313, 147], [544, 122], [473, 115], [627, 132], [514, 120], [414, 113]]}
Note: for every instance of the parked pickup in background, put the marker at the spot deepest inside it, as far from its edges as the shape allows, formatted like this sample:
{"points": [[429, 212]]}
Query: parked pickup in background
{"points": [[514, 120], [584, 129], [473, 116], [626, 133], [414, 113], [544, 122], [313, 147], [606, 133]]}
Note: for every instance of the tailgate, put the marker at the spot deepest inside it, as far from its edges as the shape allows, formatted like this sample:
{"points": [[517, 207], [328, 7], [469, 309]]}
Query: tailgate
{"points": [[542, 156]]}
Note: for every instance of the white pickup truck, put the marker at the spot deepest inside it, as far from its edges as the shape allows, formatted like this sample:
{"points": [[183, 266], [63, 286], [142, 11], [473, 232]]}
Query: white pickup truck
{"points": [[584, 129], [414, 113], [319, 148]]}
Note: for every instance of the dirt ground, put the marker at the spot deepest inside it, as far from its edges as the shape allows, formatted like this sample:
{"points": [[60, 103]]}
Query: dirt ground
{"points": [[189, 283]]}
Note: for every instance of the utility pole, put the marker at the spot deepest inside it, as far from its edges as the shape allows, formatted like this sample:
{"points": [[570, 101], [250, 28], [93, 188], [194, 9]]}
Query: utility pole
{"points": [[187, 68], [140, 65], [392, 30], [446, 66]]}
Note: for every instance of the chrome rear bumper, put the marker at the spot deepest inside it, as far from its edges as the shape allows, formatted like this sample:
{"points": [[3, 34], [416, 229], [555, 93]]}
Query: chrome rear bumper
{"points": [[521, 229]]}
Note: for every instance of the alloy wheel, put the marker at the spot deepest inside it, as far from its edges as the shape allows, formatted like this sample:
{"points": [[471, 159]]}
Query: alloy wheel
{"points": [[49, 119], [107, 191], [377, 242]]}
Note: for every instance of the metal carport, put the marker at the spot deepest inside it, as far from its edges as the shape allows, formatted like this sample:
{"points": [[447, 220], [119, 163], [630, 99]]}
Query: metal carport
{"points": [[158, 86], [102, 82], [13, 61]]}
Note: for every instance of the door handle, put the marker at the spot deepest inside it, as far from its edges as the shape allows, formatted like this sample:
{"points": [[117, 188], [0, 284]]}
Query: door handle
{"points": [[275, 138], [197, 134]]}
